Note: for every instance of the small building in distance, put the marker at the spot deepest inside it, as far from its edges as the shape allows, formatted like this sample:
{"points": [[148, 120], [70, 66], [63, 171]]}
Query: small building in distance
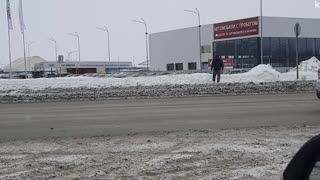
{"points": [[83, 67]]}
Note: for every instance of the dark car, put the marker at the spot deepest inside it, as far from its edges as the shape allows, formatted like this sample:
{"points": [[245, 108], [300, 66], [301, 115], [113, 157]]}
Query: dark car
{"points": [[237, 71]]}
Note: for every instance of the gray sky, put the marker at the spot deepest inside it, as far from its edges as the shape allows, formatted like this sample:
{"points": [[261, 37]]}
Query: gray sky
{"points": [[56, 18]]}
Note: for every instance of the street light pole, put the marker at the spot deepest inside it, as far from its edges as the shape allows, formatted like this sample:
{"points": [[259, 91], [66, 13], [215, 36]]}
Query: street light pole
{"points": [[24, 52], [69, 54], [29, 59], [297, 57], [197, 12], [261, 31], [78, 37], [56, 48], [9, 48], [108, 36], [147, 46]]}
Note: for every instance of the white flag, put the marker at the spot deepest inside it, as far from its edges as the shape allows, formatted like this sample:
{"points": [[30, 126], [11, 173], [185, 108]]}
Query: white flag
{"points": [[22, 25], [9, 15]]}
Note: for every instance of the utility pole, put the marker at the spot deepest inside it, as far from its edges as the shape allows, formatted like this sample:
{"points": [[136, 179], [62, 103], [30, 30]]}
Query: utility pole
{"points": [[261, 31], [147, 45], [197, 12], [78, 37], [24, 52], [108, 38], [56, 48], [133, 61], [29, 59], [10, 27], [69, 54], [297, 30], [23, 28]]}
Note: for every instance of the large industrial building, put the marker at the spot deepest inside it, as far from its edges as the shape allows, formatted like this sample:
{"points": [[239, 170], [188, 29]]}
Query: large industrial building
{"points": [[238, 42]]}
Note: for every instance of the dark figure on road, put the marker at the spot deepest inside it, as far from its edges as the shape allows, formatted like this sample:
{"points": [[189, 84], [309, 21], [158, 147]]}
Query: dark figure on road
{"points": [[217, 66]]}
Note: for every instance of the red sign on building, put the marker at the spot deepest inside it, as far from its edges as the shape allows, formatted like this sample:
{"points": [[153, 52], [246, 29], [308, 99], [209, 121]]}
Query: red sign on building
{"points": [[228, 62], [238, 28]]}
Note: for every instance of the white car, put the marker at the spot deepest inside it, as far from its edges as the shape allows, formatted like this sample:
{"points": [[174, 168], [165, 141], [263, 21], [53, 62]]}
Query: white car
{"points": [[318, 85]]}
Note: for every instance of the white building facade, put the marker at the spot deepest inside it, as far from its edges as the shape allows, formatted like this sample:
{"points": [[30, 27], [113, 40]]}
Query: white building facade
{"points": [[238, 42]]}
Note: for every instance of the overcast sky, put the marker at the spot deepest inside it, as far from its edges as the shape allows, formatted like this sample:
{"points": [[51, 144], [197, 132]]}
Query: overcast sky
{"points": [[56, 18]]}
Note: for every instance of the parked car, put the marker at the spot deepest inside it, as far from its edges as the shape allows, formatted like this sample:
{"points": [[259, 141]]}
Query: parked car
{"points": [[237, 71], [42, 74], [318, 85], [24, 76]]}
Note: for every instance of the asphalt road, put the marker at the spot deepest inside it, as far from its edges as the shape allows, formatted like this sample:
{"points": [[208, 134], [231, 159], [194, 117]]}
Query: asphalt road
{"points": [[120, 117]]}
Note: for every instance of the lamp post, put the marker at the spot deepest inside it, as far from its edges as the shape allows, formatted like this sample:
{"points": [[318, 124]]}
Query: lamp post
{"points": [[29, 59], [297, 30], [108, 38], [56, 48], [10, 27], [69, 54], [78, 37], [261, 32], [147, 46], [24, 52], [197, 12]]}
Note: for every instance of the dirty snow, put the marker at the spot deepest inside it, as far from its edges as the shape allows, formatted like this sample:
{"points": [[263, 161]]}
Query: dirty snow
{"points": [[261, 73], [243, 154]]}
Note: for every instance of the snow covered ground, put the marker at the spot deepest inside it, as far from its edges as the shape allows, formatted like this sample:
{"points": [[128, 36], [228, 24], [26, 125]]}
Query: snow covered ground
{"points": [[261, 73], [245, 154]]}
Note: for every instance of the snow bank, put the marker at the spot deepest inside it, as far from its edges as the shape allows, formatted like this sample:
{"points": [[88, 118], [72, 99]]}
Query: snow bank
{"points": [[310, 65], [308, 70], [92, 82], [263, 69], [305, 76], [261, 73]]}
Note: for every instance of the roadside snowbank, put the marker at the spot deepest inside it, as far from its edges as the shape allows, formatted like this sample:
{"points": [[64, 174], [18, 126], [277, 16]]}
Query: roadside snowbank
{"points": [[308, 71], [263, 69], [261, 73], [310, 65]]}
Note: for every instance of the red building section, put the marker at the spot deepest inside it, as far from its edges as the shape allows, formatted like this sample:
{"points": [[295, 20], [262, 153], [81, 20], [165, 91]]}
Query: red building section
{"points": [[81, 70]]}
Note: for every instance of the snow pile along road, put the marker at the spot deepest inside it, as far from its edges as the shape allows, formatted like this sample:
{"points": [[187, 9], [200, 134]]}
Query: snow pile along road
{"points": [[259, 74], [307, 71], [262, 73], [165, 91], [311, 65]]}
